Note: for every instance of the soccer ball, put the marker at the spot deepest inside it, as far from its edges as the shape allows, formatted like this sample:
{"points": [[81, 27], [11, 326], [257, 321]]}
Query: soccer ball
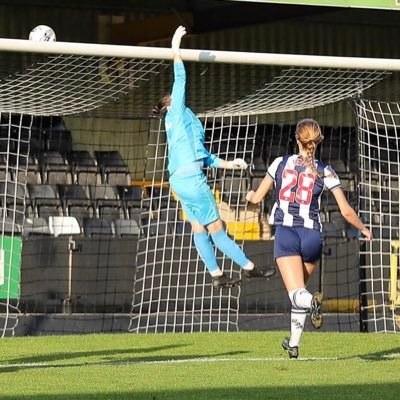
{"points": [[42, 33]]}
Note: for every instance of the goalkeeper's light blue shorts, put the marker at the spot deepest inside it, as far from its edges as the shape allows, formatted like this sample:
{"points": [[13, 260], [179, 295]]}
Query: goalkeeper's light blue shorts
{"points": [[196, 197]]}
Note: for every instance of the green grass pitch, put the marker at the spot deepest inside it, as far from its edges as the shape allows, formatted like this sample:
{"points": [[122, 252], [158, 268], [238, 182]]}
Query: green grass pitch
{"points": [[245, 365]]}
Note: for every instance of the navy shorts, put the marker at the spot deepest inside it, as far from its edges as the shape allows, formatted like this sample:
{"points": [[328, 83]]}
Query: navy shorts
{"points": [[298, 241]]}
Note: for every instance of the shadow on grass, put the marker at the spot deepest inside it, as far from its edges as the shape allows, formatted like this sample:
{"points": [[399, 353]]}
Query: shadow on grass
{"points": [[70, 355], [57, 360], [315, 392], [382, 355]]}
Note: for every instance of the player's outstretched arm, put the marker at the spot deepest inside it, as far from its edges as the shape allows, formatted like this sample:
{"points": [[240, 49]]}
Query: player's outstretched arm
{"points": [[256, 196], [176, 42], [349, 214]]}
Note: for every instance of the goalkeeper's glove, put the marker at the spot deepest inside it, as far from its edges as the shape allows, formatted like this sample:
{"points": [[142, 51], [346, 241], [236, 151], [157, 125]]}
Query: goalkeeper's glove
{"points": [[176, 40], [237, 163]]}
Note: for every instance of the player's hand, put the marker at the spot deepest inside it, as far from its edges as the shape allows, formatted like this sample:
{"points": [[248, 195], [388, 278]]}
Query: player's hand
{"points": [[249, 195], [238, 163], [176, 39], [367, 234]]}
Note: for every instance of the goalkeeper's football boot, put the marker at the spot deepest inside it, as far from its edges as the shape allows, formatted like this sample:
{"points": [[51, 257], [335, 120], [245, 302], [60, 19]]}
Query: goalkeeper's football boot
{"points": [[260, 272], [223, 281], [315, 311], [292, 351]]}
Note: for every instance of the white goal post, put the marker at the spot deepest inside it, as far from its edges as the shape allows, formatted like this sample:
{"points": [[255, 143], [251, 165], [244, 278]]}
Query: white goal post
{"points": [[204, 56]]}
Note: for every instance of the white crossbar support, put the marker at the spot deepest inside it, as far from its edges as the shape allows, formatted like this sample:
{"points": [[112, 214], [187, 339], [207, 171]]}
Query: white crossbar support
{"points": [[206, 56]]}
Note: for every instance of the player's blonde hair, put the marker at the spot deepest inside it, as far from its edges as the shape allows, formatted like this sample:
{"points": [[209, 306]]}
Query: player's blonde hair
{"points": [[308, 134]]}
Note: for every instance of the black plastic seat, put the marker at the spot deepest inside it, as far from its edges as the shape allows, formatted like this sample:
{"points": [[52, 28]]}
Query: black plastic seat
{"points": [[76, 201], [35, 226], [21, 163], [55, 168], [84, 168], [11, 194], [106, 202], [45, 200], [114, 169], [97, 227], [160, 197], [9, 226], [126, 227], [234, 187], [131, 198]]}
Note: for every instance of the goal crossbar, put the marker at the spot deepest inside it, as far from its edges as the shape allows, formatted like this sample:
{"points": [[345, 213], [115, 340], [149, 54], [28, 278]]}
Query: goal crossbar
{"points": [[203, 56]]}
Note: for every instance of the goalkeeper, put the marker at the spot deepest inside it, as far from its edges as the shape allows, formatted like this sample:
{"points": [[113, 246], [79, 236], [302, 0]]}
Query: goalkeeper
{"points": [[187, 157]]}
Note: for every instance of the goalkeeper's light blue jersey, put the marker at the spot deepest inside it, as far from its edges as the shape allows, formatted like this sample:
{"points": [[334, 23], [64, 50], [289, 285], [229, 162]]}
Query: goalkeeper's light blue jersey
{"points": [[185, 132]]}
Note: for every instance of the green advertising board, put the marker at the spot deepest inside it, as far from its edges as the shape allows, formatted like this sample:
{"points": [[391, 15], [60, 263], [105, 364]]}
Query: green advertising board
{"points": [[10, 267]]}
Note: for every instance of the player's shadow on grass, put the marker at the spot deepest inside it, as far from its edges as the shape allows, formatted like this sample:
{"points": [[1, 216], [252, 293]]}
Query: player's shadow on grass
{"points": [[56, 356], [385, 355]]}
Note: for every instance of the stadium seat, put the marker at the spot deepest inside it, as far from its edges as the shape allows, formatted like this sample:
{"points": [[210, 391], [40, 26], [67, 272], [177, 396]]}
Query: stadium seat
{"points": [[9, 226], [84, 168], [25, 163], [131, 198], [336, 229], [126, 227], [12, 197], [76, 201], [234, 188], [97, 227], [54, 168], [59, 226], [114, 170], [45, 200], [106, 202], [35, 226], [160, 197], [158, 228]]}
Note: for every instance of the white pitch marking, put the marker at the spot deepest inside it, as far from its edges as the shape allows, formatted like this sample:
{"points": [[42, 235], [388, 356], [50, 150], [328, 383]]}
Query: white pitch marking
{"points": [[198, 360]]}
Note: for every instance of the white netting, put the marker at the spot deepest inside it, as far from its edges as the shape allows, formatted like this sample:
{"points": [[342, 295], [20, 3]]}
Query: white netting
{"points": [[379, 154], [14, 153], [63, 85], [303, 88], [172, 288]]}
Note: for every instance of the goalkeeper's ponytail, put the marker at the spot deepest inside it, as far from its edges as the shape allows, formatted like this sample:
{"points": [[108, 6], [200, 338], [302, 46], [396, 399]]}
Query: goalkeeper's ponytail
{"points": [[162, 106]]}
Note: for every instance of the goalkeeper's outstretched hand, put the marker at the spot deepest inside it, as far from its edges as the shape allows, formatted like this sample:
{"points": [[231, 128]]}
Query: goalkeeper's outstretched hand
{"points": [[176, 40], [238, 163]]}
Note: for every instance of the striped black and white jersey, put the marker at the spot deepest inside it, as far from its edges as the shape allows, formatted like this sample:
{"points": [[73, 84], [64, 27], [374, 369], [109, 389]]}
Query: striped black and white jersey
{"points": [[298, 191]]}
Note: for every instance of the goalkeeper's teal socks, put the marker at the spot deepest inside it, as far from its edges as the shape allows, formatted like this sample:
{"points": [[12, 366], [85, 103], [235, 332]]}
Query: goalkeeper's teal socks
{"points": [[206, 251], [229, 248]]}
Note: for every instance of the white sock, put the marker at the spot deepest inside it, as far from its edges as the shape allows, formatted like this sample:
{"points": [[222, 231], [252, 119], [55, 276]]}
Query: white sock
{"points": [[301, 298], [249, 266], [216, 272], [297, 321]]}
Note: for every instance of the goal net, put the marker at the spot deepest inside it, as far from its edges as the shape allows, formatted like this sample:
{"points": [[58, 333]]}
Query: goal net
{"points": [[101, 243], [379, 152]]}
